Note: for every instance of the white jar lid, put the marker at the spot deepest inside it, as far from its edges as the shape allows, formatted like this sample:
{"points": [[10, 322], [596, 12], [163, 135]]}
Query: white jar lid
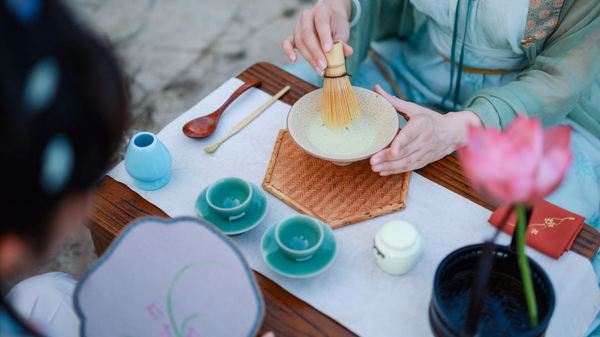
{"points": [[398, 235]]}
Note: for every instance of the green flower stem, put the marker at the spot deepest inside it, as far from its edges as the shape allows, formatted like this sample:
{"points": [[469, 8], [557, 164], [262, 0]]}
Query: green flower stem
{"points": [[524, 265]]}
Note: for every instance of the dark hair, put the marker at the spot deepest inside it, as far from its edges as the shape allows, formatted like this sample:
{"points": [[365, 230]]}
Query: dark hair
{"points": [[57, 137]]}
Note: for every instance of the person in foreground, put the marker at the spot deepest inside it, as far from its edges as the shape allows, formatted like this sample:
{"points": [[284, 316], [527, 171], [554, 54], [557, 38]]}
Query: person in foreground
{"points": [[64, 107], [63, 110], [469, 62]]}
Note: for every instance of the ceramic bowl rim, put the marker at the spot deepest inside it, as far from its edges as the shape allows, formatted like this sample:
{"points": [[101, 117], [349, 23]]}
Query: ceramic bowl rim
{"points": [[258, 222], [229, 209], [308, 251], [442, 268], [304, 276], [341, 159]]}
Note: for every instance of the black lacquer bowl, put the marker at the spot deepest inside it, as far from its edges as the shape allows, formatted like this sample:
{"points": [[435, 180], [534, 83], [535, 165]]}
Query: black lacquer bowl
{"points": [[504, 311]]}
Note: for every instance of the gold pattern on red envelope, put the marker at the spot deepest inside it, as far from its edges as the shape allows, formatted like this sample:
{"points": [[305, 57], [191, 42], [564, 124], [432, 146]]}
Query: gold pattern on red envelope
{"points": [[548, 223], [552, 229]]}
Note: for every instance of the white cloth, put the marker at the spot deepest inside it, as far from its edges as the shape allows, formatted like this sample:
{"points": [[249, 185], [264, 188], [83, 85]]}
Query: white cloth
{"points": [[354, 291], [47, 302]]}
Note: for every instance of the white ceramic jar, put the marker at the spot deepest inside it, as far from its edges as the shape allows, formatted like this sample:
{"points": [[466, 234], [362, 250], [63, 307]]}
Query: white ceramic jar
{"points": [[397, 247]]}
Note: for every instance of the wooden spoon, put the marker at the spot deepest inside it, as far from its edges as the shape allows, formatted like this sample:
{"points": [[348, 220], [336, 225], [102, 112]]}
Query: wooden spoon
{"points": [[204, 126], [242, 124]]}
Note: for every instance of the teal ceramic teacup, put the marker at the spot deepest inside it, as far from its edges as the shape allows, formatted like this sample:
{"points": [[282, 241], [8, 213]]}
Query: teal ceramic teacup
{"points": [[299, 237], [229, 198]]}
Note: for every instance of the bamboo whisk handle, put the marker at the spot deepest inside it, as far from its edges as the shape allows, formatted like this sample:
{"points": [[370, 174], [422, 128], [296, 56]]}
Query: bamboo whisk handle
{"points": [[336, 62]]}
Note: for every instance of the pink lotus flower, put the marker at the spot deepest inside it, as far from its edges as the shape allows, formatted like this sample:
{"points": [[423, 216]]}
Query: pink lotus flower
{"points": [[520, 165]]}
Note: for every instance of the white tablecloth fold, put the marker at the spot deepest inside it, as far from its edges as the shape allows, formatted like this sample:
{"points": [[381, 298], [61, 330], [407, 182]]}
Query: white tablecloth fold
{"points": [[354, 291]]}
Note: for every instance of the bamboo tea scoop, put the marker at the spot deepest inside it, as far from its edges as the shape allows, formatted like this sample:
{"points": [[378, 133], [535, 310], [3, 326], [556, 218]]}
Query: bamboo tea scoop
{"points": [[204, 126], [247, 120]]}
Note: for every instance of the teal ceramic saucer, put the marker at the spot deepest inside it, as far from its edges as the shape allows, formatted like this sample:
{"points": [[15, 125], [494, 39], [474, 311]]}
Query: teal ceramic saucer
{"points": [[254, 215], [281, 264]]}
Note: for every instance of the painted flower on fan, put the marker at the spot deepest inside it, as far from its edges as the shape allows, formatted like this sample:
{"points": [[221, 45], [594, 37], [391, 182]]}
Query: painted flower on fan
{"points": [[523, 164]]}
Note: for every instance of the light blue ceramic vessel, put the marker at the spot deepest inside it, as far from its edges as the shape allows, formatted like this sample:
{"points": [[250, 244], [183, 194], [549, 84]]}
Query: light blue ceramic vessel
{"points": [[229, 198], [281, 263], [255, 214], [148, 161], [299, 237]]}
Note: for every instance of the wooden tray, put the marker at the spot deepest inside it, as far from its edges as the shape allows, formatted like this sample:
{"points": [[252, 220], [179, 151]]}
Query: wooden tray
{"points": [[337, 195]]}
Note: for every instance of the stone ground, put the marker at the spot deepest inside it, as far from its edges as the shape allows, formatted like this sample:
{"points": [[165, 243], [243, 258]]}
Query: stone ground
{"points": [[175, 52]]}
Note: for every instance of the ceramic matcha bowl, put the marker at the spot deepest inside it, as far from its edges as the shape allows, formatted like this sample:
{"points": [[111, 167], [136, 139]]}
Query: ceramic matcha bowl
{"points": [[375, 130]]}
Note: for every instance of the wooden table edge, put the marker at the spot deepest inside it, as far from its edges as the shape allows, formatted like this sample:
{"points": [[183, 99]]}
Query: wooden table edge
{"points": [[297, 317]]}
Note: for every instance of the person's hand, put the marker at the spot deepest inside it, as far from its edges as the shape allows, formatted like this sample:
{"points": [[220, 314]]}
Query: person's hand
{"points": [[316, 30], [428, 136]]}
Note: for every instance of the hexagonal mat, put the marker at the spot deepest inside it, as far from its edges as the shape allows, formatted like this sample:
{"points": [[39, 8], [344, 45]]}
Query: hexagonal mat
{"points": [[337, 195]]}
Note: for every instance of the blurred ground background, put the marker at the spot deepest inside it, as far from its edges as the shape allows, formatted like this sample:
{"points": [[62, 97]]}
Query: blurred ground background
{"points": [[175, 52]]}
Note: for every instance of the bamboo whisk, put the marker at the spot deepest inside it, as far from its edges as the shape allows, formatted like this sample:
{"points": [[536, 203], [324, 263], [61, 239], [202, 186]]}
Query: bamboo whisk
{"points": [[340, 105]]}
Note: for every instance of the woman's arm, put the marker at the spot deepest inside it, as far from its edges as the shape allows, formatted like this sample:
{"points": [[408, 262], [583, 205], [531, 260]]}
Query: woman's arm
{"points": [[551, 87], [329, 20]]}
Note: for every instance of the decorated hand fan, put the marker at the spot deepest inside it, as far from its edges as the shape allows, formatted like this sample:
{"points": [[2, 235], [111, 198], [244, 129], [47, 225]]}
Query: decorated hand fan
{"points": [[170, 278]]}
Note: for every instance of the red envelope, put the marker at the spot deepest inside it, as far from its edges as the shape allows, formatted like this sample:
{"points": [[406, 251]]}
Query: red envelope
{"points": [[552, 229]]}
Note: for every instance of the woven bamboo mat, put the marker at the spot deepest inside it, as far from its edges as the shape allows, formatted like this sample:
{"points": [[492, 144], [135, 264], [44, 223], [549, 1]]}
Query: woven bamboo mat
{"points": [[337, 195]]}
